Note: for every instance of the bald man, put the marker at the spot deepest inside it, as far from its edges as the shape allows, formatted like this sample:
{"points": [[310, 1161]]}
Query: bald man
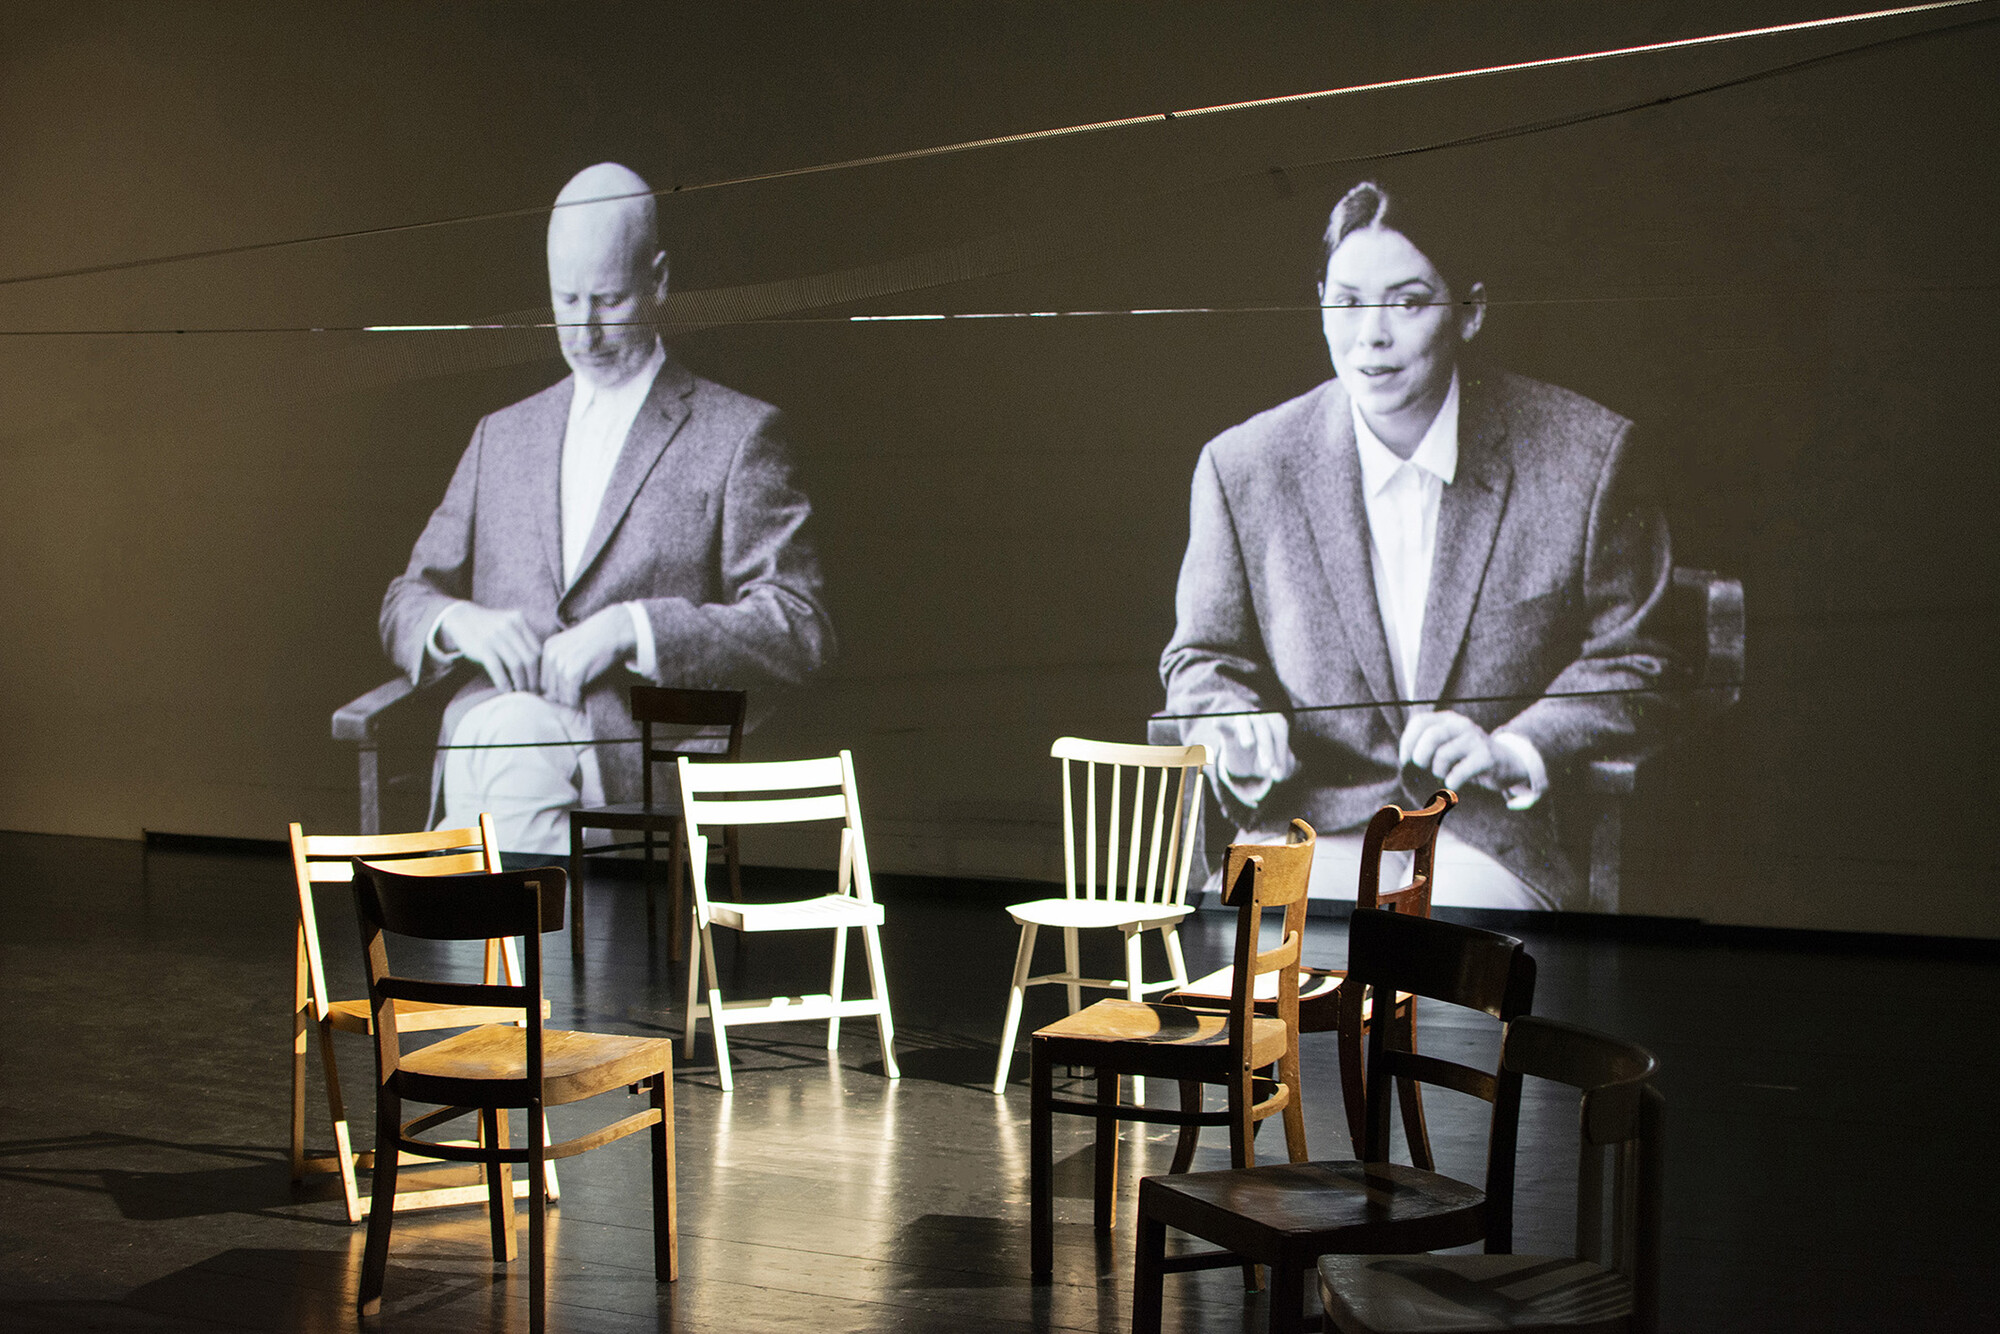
{"points": [[633, 523]]}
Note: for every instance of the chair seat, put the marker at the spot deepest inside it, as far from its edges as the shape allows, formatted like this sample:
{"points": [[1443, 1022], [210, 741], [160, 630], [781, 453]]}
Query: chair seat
{"points": [[1088, 913], [1124, 1021], [1406, 1294], [574, 1065], [1305, 1210], [829, 910], [352, 1016]]}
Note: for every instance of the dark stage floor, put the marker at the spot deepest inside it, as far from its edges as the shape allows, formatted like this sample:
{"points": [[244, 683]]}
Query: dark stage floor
{"points": [[1830, 1161]]}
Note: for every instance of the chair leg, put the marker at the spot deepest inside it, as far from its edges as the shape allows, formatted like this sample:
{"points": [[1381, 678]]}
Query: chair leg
{"points": [[1295, 1108], [839, 985], [651, 891], [732, 856], [1351, 1097], [301, 1006], [538, 1218], [343, 1138], [1243, 1148], [1135, 990], [1288, 1298], [1041, 1164], [499, 1185], [666, 1224], [694, 987], [885, 1027], [1024, 957], [549, 1167], [1148, 1273], [677, 855], [1191, 1102], [1073, 968], [716, 1023], [382, 1208], [1104, 1190], [1176, 961], [1409, 1095], [575, 891]]}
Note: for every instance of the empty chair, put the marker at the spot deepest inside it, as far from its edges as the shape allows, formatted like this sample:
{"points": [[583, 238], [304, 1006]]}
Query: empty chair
{"points": [[1195, 1047], [1290, 1214], [1392, 829], [715, 796], [1601, 1287], [319, 859], [495, 1067], [656, 813], [1129, 873]]}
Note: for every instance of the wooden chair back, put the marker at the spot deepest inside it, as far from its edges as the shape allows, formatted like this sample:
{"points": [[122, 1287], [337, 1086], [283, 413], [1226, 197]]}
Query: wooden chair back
{"points": [[671, 707], [1395, 952], [1137, 807], [1621, 1121], [1396, 830], [501, 905], [319, 859], [1258, 876], [717, 795]]}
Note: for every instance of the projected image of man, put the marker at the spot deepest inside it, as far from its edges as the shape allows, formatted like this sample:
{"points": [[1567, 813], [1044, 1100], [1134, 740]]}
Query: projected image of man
{"points": [[1423, 572], [632, 523]]}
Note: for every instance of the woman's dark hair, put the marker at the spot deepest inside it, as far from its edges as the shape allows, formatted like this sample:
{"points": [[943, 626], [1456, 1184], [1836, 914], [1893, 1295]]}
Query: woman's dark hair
{"points": [[1419, 218]]}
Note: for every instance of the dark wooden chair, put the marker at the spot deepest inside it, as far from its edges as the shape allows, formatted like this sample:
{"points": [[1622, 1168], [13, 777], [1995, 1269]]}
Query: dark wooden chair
{"points": [[1393, 829], [1288, 1215], [321, 859], [495, 1067], [1702, 619], [1611, 1283], [1194, 1047], [658, 812]]}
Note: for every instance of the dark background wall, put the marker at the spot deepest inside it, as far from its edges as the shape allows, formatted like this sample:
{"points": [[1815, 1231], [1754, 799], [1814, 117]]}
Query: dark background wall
{"points": [[1786, 282]]}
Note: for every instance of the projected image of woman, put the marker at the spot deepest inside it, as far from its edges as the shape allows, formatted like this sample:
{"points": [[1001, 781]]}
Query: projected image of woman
{"points": [[1425, 571]]}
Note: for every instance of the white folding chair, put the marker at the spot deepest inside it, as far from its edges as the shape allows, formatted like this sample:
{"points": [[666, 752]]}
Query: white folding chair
{"points": [[717, 796], [1140, 835]]}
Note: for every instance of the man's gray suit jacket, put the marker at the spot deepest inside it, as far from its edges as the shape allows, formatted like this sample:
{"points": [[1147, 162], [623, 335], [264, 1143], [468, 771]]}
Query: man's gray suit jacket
{"points": [[1548, 566], [701, 523]]}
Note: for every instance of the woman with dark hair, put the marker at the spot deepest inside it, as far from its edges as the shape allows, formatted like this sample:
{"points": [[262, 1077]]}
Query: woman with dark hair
{"points": [[1420, 572]]}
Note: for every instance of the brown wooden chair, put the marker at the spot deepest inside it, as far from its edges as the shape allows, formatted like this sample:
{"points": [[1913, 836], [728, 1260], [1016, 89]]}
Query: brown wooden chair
{"points": [[1392, 829], [319, 859], [495, 1067], [1602, 1287], [1290, 1214], [657, 813], [1195, 1047]]}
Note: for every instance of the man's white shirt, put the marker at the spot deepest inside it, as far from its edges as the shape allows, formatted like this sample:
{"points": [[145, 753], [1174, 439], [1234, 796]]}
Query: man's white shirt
{"points": [[600, 419], [1401, 499]]}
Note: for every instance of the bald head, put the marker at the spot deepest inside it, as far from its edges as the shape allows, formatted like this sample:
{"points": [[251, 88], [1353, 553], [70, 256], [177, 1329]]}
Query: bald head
{"points": [[607, 273]]}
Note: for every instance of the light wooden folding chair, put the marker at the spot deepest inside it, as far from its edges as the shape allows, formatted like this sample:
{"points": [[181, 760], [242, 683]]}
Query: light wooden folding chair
{"points": [[319, 859]]}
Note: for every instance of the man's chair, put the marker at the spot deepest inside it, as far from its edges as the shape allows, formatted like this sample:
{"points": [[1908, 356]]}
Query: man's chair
{"points": [[1601, 1288], [1143, 843], [329, 859], [1194, 1047], [1391, 830], [495, 1067], [716, 796], [1702, 619], [1288, 1215], [655, 814]]}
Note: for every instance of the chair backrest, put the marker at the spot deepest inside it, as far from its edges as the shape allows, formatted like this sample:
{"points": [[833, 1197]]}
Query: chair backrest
{"points": [[1257, 876], [671, 707], [1137, 807], [329, 859], [1395, 952], [1621, 1118], [718, 795], [498, 905], [1394, 829]]}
